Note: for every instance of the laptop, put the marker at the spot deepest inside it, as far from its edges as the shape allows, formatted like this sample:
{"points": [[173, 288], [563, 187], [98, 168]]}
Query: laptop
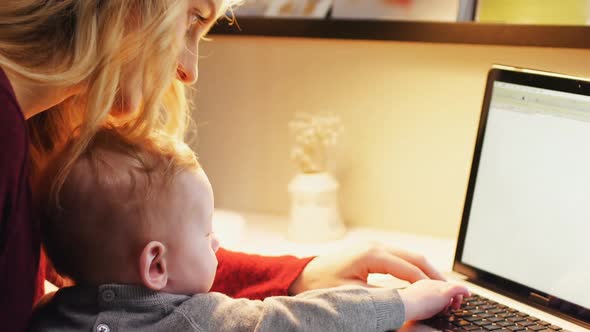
{"points": [[524, 242]]}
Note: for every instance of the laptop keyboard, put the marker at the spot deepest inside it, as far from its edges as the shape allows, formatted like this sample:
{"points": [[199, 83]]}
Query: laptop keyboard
{"points": [[479, 314]]}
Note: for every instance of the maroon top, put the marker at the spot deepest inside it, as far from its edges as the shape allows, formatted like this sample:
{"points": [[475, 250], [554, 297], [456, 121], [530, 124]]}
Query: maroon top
{"points": [[21, 284]]}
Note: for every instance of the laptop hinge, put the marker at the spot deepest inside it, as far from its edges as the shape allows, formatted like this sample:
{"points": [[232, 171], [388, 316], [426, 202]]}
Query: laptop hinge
{"points": [[540, 299]]}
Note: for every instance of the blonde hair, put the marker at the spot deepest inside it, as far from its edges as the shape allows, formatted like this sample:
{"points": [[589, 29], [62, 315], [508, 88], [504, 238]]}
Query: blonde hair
{"points": [[111, 194], [64, 43]]}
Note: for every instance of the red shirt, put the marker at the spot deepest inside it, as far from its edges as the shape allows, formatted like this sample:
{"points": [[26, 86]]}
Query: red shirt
{"points": [[256, 277], [21, 280]]}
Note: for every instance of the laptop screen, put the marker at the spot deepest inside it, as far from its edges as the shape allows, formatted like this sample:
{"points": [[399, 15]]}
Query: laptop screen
{"points": [[527, 217]]}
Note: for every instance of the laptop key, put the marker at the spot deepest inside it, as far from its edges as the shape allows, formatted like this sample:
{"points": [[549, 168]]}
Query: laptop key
{"points": [[472, 319], [504, 323], [554, 328], [471, 328], [536, 327], [515, 328], [544, 323], [526, 324], [495, 319], [496, 311], [486, 307], [515, 319], [461, 322], [505, 315], [484, 315], [492, 327]]}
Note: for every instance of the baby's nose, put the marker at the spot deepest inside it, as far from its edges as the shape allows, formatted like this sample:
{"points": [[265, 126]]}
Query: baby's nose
{"points": [[215, 243]]}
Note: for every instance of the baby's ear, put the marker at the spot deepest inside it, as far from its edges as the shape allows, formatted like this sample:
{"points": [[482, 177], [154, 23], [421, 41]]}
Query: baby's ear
{"points": [[152, 266]]}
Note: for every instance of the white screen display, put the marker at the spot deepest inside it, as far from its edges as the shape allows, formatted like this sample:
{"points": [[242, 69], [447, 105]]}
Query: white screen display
{"points": [[530, 214]]}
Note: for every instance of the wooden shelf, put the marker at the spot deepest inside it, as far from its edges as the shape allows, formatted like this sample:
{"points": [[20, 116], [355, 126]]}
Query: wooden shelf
{"points": [[430, 32]]}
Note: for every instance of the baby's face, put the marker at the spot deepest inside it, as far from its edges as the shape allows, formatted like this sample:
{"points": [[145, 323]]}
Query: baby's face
{"points": [[192, 245]]}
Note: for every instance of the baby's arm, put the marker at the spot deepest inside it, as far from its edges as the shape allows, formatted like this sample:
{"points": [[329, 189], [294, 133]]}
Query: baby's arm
{"points": [[348, 308]]}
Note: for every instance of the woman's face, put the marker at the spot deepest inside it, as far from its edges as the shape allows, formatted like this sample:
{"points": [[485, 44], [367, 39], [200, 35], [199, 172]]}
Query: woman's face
{"points": [[198, 18]]}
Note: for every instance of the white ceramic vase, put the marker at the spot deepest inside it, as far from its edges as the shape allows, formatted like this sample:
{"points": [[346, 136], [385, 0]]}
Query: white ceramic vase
{"points": [[315, 212]]}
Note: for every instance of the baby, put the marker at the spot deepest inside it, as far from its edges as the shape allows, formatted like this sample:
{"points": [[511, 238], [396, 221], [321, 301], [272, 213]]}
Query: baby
{"points": [[131, 226]]}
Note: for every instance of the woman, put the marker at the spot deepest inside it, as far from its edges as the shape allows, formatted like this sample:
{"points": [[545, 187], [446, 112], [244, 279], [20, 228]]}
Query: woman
{"points": [[73, 65]]}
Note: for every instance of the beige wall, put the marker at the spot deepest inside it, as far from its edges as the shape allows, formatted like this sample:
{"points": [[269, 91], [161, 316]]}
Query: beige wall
{"points": [[410, 112]]}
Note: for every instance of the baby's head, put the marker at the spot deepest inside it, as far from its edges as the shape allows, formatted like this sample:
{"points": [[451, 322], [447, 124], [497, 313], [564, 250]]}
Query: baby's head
{"points": [[132, 213]]}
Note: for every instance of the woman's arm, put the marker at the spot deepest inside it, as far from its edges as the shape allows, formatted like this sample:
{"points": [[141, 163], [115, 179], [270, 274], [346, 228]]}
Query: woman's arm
{"points": [[20, 281], [256, 277]]}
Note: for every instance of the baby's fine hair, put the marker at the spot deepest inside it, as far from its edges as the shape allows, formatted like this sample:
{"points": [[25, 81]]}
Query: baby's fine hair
{"points": [[107, 206]]}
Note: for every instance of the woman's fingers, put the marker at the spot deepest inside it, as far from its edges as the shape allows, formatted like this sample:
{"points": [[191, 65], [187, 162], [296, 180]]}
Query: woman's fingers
{"points": [[419, 261], [385, 262]]}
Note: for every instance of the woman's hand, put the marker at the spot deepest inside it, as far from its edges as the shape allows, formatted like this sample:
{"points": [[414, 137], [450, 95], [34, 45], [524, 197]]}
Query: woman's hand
{"points": [[354, 266]]}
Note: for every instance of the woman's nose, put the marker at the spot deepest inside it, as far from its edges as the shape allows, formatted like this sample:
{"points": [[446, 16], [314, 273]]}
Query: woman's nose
{"points": [[187, 74], [187, 70]]}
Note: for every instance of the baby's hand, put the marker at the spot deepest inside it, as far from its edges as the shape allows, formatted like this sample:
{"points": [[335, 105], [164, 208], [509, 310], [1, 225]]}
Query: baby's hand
{"points": [[426, 298]]}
